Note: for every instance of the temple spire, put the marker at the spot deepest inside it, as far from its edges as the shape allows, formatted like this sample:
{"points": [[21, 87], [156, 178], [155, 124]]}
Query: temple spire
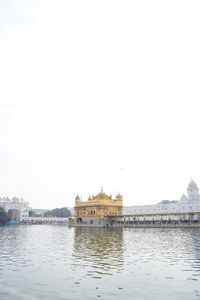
{"points": [[101, 189]]}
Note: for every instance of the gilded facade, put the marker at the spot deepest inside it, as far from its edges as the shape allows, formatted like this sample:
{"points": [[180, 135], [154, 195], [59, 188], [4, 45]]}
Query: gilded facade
{"points": [[99, 206]]}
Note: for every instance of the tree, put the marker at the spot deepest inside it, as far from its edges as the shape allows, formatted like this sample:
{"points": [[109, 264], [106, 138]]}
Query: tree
{"points": [[4, 217], [31, 213], [9, 213], [58, 212], [48, 214]]}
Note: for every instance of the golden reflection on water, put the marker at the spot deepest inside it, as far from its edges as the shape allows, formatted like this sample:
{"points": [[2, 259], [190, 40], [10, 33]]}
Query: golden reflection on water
{"points": [[56, 262], [98, 250]]}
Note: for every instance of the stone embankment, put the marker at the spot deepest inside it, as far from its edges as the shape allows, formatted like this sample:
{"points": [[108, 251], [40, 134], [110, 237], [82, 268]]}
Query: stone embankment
{"points": [[185, 224]]}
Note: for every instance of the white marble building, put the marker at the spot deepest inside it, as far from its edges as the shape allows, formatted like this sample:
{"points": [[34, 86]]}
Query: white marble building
{"points": [[19, 207], [190, 203]]}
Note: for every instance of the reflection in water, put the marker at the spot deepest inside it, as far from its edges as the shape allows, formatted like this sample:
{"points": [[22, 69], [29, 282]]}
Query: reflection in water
{"points": [[98, 250], [10, 246], [191, 247], [51, 262]]}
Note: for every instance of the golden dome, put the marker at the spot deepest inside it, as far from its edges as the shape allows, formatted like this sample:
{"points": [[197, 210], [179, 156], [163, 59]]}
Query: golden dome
{"points": [[102, 195]]}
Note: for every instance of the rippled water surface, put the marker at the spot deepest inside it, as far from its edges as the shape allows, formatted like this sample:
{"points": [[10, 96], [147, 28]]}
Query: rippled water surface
{"points": [[57, 262]]}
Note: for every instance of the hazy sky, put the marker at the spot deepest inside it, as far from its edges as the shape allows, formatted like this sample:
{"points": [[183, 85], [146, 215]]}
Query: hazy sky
{"points": [[99, 93]]}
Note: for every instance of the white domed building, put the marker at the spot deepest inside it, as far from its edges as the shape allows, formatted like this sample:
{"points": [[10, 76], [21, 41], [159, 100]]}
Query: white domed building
{"points": [[189, 203], [18, 207], [193, 191]]}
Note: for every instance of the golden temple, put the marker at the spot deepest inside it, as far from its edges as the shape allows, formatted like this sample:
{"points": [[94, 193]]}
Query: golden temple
{"points": [[99, 206]]}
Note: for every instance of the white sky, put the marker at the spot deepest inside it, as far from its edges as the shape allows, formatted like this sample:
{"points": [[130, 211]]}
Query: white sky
{"points": [[99, 93]]}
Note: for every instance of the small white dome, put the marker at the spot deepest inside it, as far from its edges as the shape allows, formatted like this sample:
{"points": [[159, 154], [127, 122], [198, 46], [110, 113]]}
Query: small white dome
{"points": [[183, 198], [192, 184]]}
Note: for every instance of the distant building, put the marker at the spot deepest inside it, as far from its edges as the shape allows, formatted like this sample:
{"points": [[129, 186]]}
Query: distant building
{"points": [[18, 207], [189, 203], [97, 208]]}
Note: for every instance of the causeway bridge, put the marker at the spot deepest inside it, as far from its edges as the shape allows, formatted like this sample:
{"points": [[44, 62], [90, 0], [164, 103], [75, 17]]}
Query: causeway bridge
{"points": [[179, 219], [165, 219], [44, 220]]}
